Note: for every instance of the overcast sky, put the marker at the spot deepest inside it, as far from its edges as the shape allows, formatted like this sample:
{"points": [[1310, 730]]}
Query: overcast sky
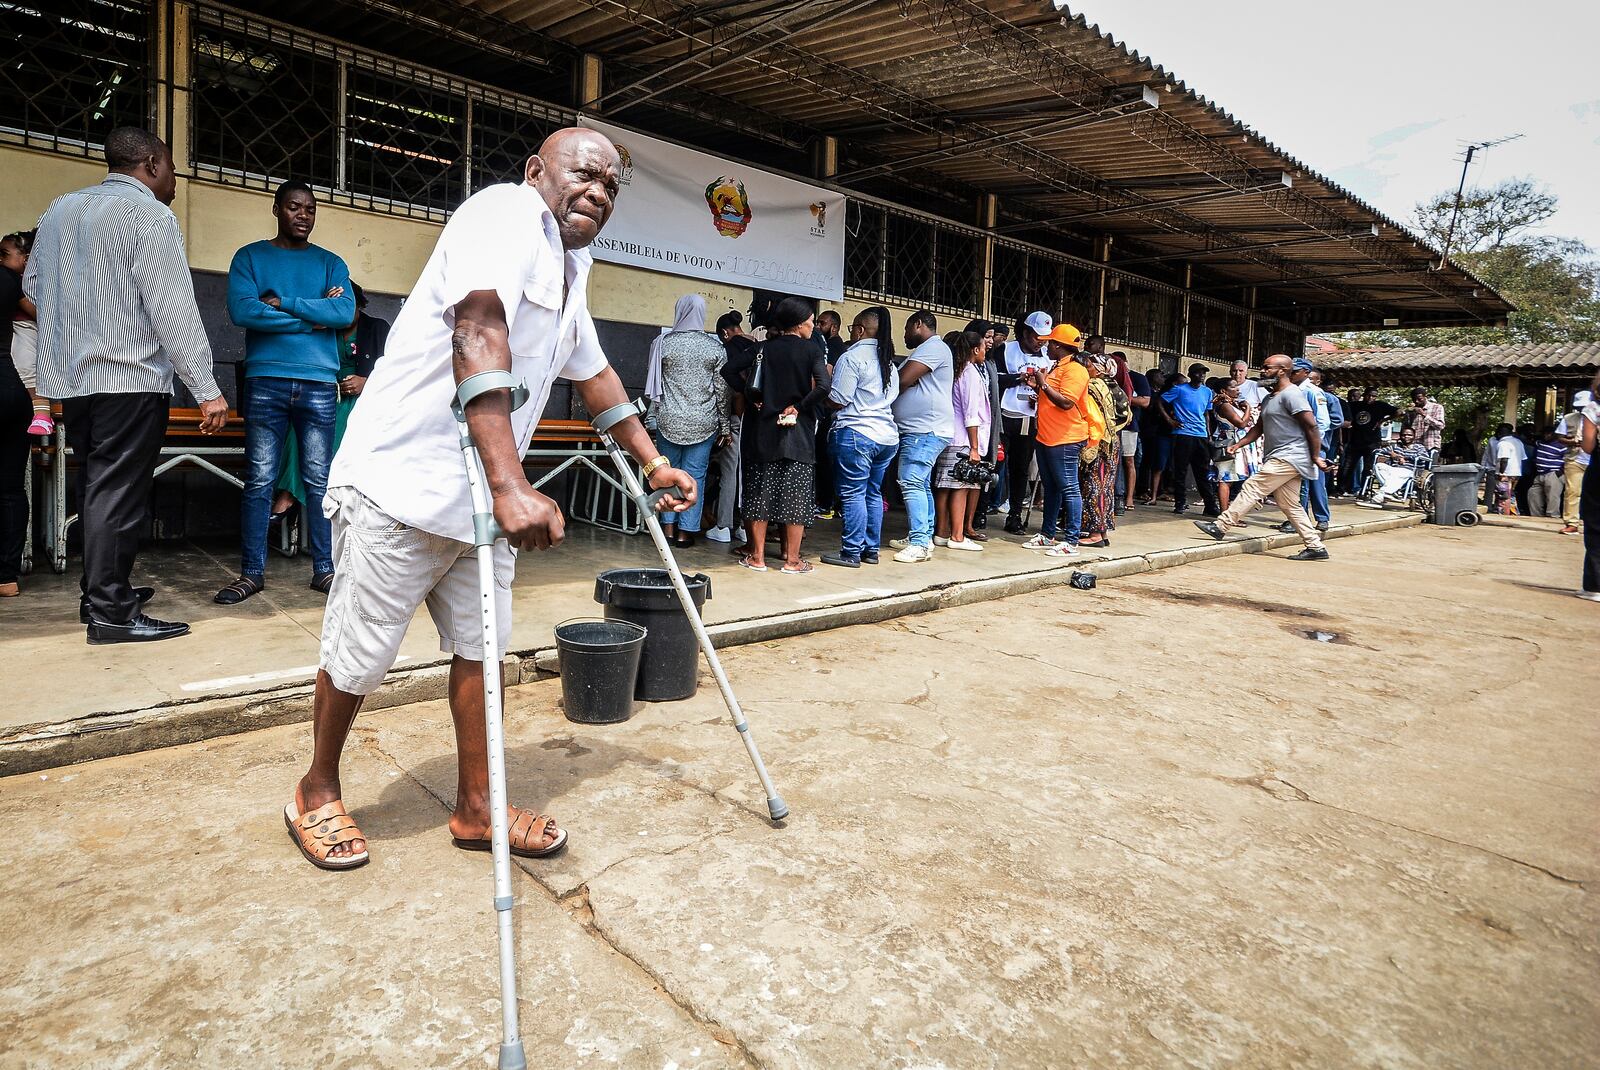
{"points": [[1381, 96]]}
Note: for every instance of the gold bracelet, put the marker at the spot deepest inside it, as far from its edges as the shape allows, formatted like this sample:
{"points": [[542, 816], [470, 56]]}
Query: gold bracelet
{"points": [[650, 469]]}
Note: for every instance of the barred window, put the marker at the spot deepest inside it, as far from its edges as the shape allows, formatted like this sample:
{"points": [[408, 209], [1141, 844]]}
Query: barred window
{"points": [[1143, 313], [1273, 336], [73, 71], [271, 103], [263, 110], [896, 256], [960, 262], [910, 259], [405, 141], [863, 248], [503, 137], [1008, 291]]}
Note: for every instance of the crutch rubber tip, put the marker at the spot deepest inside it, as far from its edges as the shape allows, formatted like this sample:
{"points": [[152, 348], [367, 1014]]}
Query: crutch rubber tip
{"points": [[777, 808], [512, 1056]]}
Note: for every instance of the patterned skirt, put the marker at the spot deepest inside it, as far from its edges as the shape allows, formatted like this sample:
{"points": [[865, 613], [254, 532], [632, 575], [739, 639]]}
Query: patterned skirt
{"points": [[781, 492], [1098, 481]]}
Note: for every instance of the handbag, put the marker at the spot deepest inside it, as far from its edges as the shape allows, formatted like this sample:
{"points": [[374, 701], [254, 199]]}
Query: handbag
{"points": [[975, 473]]}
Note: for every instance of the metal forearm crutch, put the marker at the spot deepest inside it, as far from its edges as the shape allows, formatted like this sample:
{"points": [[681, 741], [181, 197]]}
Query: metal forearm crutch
{"points": [[484, 534], [646, 502]]}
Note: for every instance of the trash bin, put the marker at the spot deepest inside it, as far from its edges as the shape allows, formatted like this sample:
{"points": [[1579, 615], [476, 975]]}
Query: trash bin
{"points": [[1455, 494], [599, 663], [669, 667]]}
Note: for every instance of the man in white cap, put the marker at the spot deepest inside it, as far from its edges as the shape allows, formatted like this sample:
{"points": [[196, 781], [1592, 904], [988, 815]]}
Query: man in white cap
{"points": [[1019, 408], [1570, 431]]}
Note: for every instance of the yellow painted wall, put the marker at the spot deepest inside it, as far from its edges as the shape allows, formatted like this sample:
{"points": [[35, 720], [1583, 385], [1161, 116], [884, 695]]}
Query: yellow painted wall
{"points": [[34, 179], [634, 295]]}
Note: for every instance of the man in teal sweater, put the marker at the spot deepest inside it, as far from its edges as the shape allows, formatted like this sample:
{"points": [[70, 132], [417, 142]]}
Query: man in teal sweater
{"points": [[291, 298]]}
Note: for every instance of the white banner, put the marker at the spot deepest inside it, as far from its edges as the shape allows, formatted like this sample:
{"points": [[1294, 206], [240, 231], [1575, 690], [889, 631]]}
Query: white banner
{"points": [[692, 214]]}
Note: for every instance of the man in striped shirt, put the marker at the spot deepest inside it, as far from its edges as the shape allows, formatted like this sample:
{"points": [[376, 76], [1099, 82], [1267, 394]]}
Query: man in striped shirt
{"points": [[117, 317]]}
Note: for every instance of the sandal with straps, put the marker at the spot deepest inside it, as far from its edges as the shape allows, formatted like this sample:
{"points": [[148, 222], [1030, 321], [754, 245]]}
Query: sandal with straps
{"points": [[317, 833], [237, 591], [526, 828]]}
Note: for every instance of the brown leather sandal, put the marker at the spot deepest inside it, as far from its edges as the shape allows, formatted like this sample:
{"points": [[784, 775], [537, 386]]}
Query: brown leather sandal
{"points": [[527, 828], [320, 831]]}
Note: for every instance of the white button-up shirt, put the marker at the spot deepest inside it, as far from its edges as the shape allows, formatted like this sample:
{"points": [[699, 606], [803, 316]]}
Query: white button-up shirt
{"points": [[402, 449]]}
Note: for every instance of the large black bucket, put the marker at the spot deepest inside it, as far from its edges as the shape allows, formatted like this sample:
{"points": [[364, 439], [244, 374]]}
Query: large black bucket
{"points": [[599, 662], [669, 668]]}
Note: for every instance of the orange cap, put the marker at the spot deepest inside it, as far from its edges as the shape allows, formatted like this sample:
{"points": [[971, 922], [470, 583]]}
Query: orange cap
{"points": [[1066, 334]]}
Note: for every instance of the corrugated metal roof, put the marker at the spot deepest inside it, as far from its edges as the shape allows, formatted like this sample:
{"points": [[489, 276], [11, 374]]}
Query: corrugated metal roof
{"points": [[937, 101], [1566, 359]]}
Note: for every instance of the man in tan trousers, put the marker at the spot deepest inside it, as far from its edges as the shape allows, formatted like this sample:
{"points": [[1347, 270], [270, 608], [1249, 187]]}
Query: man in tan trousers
{"points": [[1293, 449], [1570, 432]]}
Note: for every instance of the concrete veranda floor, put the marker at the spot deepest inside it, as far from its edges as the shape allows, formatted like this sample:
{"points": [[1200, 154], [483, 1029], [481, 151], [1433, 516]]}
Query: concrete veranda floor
{"points": [[1150, 825], [272, 640]]}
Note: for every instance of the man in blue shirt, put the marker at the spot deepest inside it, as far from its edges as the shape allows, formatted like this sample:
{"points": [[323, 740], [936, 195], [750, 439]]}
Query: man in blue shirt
{"points": [[1314, 492], [292, 298], [1185, 407]]}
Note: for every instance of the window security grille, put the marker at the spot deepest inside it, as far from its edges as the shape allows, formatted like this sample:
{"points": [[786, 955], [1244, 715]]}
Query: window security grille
{"points": [[73, 71]]}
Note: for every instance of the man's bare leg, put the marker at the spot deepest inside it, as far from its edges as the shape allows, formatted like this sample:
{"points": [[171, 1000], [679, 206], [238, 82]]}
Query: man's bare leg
{"points": [[470, 820], [333, 712]]}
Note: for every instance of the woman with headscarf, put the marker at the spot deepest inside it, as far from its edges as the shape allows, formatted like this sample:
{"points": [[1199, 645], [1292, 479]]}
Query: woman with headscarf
{"points": [[1098, 463], [792, 382], [689, 403]]}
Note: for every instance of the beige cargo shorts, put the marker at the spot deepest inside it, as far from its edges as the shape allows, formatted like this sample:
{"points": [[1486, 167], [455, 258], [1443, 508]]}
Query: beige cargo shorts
{"points": [[384, 570]]}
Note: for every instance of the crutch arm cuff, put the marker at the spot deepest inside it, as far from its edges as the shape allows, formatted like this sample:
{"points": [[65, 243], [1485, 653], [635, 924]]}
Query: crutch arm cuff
{"points": [[604, 421], [481, 383]]}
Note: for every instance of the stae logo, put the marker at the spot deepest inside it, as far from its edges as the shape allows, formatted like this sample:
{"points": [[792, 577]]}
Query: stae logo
{"points": [[627, 162], [819, 212], [730, 206]]}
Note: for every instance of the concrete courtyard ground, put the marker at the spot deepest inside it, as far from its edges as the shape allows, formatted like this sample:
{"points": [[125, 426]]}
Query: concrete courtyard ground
{"points": [[1243, 812]]}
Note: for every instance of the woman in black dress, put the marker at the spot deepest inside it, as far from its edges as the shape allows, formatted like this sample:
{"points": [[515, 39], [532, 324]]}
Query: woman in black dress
{"points": [[792, 384]]}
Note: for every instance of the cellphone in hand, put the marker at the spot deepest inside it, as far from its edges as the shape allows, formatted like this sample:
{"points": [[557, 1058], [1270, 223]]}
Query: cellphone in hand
{"points": [[788, 419]]}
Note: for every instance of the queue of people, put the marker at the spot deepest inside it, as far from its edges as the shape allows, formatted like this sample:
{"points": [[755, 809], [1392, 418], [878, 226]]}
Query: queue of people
{"points": [[797, 421]]}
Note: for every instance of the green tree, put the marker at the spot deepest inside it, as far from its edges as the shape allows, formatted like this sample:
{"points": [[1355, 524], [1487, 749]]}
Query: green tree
{"points": [[1553, 281]]}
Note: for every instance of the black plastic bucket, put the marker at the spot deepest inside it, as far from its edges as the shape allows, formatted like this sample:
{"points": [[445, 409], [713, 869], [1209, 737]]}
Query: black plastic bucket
{"points": [[669, 668], [599, 662]]}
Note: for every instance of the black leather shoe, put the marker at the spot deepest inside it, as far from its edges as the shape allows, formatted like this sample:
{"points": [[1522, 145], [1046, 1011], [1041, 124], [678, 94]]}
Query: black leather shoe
{"points": [[143, 594], [1308, 554], [141, 629]]}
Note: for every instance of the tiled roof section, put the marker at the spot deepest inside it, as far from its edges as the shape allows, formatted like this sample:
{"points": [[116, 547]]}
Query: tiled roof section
{"points": [[1517, 357]]}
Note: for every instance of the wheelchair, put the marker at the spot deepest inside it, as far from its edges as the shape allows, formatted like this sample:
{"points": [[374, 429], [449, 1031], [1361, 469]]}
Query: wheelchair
{"points": [[1415, 493]]}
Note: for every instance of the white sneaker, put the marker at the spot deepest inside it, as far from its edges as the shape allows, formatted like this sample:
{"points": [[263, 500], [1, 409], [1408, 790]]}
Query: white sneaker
{"points": [[940, 540], [912, 555], [719, 535], [1592, 596], [1062, 549], [963, 544], [899, 544], [1039, 542]]}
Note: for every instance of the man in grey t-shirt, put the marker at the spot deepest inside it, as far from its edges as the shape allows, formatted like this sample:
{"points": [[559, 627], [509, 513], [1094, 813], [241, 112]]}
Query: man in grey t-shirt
{"points": [[925, 415], [1293, 448]]}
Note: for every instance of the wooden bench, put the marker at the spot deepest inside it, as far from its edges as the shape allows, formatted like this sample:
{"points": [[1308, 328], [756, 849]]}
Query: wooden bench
{"points": [[595, 496]]}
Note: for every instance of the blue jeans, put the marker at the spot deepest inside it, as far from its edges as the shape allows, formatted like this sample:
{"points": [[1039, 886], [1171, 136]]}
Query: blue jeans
{"points": [[860, 464], [271, 407], [695, 460], [1314, 496], [918, 452], [1058, 470]]}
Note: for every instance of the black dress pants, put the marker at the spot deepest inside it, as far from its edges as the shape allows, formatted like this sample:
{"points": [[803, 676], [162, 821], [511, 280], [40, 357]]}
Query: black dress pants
{"points": [[1019, 452], [16, 410], [1191, 453], [117, 438]]}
